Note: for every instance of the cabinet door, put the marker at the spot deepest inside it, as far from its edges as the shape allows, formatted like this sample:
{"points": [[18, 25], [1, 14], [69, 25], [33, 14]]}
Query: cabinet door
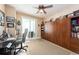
{"points": [[54, 33], [56, 40], [65, 33], [49, 30], [59, 33], [74, 46]]}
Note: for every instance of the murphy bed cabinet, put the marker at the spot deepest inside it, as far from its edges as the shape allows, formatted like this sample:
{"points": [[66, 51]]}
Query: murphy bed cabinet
{"points": [[59, 32]]}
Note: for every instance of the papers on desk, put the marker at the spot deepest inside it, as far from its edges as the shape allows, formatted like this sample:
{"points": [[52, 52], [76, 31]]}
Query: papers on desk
{"points": [[9, 45], [11, 39]]}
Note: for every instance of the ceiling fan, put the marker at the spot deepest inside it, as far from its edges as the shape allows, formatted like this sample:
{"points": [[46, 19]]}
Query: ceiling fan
{"points": [[41, 8]]}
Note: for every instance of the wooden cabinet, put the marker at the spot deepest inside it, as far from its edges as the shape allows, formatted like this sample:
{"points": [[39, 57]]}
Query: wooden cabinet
{"points": [[74, 45], [74, 42], [65, 33], [49, 30], [59, 32]]}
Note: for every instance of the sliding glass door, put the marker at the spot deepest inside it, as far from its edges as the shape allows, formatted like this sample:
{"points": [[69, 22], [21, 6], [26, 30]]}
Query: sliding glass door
{"points": [[29, 24]]}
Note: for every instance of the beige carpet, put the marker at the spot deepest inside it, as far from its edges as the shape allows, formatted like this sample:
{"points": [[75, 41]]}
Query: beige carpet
{"points": [[44, 47]]}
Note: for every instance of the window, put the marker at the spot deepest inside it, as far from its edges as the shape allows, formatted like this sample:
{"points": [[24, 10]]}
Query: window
{"points": [[29, 23]]}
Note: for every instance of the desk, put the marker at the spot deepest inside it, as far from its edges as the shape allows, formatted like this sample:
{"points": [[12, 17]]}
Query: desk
{"points": [[11, 39], [6, 46], [5, 41]]}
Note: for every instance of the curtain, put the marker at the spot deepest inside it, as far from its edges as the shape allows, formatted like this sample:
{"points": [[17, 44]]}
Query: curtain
{"points": [[29, 24]]}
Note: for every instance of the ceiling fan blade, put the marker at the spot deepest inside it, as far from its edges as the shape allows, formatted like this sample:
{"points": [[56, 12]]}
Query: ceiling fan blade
{"points": [[49, 6], [36, 7], [44, 11]]}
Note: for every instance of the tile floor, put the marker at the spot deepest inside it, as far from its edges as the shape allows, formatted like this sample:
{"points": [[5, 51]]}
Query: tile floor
{"points": [[44, 47]]}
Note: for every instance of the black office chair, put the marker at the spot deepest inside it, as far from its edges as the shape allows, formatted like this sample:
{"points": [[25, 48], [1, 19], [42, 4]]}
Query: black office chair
{"points": [[20, 41]]}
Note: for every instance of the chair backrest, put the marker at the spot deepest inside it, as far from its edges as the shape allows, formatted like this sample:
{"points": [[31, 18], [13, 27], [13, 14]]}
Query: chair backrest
{"points": [[24, 35]]}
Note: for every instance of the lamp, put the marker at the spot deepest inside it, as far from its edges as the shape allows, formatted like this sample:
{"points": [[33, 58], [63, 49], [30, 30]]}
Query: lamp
{"points": [[41, 11]]}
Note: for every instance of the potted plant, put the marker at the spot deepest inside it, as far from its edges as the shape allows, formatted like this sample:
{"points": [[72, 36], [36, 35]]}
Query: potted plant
{"points": [[18, 22]]}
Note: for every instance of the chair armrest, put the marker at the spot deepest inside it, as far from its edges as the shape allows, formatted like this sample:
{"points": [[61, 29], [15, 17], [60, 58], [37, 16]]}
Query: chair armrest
{"points": [[19, 37]]}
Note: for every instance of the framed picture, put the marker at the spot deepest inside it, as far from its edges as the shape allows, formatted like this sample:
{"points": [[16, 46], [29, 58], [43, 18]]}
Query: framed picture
{"points": [[2, 18], [10, 19], [10, 25]]}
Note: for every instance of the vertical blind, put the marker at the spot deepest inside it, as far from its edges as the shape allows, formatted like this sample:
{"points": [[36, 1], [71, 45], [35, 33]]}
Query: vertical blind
{"points": [[29, 23]]}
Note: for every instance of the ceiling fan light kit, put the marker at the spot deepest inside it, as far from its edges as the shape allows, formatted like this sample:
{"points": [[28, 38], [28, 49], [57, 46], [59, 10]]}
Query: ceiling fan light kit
{"points": [[41, 8]]}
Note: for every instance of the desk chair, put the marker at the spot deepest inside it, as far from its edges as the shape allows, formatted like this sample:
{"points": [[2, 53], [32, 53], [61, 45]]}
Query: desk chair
{"points": [[20, 41]]}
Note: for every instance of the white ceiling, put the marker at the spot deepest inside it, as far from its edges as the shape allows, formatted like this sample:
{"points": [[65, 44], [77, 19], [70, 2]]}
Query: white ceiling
{"points": [[29, 9]]}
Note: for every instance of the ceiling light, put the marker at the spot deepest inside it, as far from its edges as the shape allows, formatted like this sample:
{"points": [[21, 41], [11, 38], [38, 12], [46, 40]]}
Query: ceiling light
{"points": [[41, 11]]}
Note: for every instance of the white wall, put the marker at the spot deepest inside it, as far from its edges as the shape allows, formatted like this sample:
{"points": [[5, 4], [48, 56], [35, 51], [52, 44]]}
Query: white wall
{"points": [[2, 7], [67, 10], [10, 11]]}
